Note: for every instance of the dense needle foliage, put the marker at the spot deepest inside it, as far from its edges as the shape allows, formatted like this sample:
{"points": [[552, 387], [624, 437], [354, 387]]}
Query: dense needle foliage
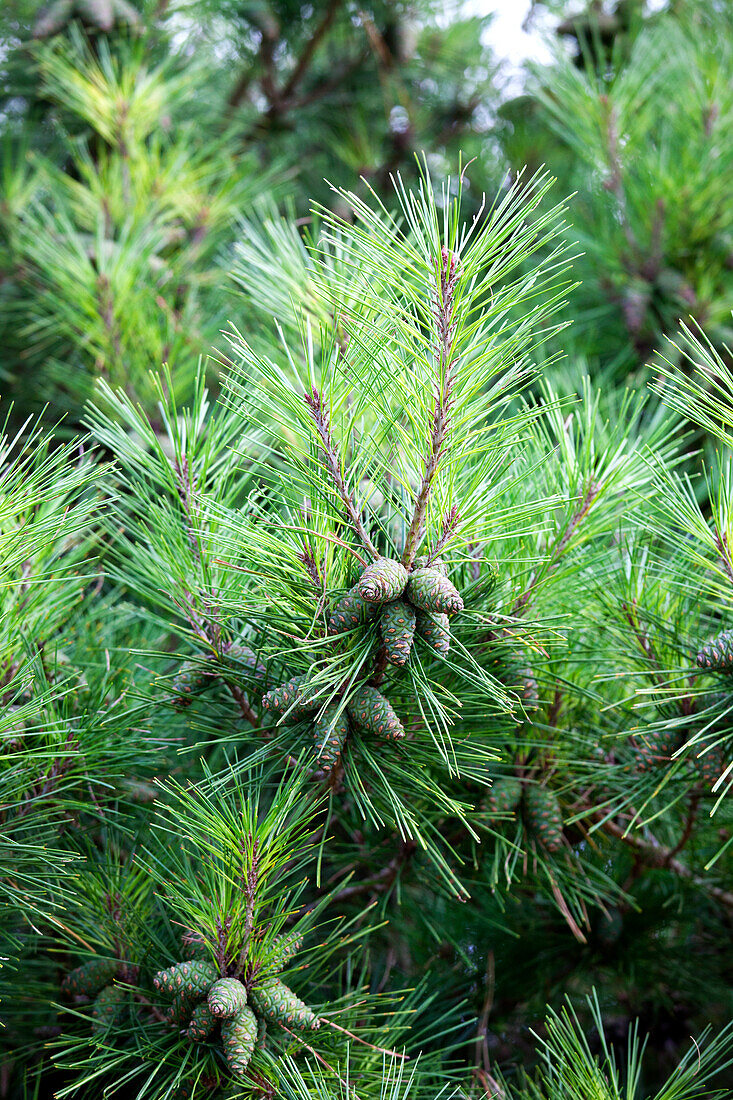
{"points": [[366, 725]]}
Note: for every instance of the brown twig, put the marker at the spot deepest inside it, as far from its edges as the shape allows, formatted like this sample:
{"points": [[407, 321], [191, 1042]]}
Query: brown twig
{"points": [[655, 854], [445, 331], [319, 412], [560, 545]]}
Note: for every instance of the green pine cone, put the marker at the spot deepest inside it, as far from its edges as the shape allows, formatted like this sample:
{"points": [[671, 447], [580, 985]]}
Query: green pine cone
{"points": [[193, 945], [654, 748], [243, 655], [373, 713], [708, 766], [276, 1002], [226, 997], [329, 734], [433, 628], [349, 612], [289, 697], [180, 1009], [717, 654], [397, 625], [239, 1035], [287, 945], [107, 1006], [544, 817], [438, 563], [202, 1023], [192, 978], [189, 682], [90, 978], [504, 796], [429, 590], [382, 581]]}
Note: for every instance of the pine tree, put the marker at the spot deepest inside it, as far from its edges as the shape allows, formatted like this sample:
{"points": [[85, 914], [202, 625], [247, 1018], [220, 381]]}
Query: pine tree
{"points": [[329, 862]]}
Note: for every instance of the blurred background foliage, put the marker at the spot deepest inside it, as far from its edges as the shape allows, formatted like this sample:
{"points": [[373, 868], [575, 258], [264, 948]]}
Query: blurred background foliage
{"points": [[144, 146]]}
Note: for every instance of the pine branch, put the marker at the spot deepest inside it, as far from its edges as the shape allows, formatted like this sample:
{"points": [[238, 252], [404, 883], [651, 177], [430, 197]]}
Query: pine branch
{"points": [[655, 854], [559, 547], [319, 412], [310, 48], [445, 330]]}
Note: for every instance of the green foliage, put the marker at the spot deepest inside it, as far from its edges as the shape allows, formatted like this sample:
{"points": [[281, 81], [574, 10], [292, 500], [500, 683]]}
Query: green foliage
{"points": [[366, 691]]}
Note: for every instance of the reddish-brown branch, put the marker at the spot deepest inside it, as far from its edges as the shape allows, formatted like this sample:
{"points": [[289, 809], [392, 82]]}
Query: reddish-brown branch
{"points": [[310, 48], [559, 547], [319, 413], [655, 854], [447, 271]]}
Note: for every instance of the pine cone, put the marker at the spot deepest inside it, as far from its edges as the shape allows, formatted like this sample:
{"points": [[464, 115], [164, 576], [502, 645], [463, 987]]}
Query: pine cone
{"points": [[90, 978], [274, 1000], [708, 766], [189, 682], [717, 654], [284, 947], [202, 1023], [226, 997], [438, 563], [656, 747], [291, 697], [373, 713], [544, 817], [397, 625], [429, 590], [382, 581], [504, 796], [107, 1006], [329, 734], [349, 612], [239, 1035], [433, 629], [192, 977], [243, 655]]}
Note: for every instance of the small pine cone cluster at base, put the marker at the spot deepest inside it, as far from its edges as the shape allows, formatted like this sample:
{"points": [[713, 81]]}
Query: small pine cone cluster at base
{"points": [[418, 602], [544, 817], [203, 1001], [717, 654]]}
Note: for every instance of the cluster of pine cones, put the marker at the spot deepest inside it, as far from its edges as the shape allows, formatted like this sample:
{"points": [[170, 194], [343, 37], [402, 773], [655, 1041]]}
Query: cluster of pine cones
{"points": [[418, 602], [203, 1000], [95, 980], [541, 809]]}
